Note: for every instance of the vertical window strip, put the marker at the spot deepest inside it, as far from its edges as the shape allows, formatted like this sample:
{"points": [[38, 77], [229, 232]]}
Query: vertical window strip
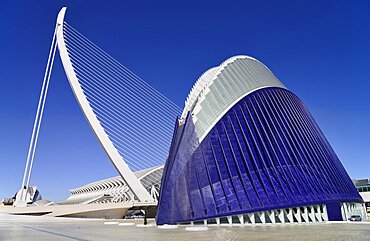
{"points": [[300, 149], [301, 167], [286, 156], [262, 159]]}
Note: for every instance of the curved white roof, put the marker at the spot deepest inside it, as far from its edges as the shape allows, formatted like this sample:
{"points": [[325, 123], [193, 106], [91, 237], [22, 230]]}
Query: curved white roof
{"points": [[221, 87], [114, 187]]}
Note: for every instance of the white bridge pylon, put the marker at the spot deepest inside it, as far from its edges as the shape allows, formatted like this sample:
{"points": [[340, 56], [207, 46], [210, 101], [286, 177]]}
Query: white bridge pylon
{"points": [[128, 176], [27, 194], [112, 98]]}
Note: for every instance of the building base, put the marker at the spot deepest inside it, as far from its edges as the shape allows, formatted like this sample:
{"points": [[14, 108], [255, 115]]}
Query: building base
{"points": [[305, 214]]}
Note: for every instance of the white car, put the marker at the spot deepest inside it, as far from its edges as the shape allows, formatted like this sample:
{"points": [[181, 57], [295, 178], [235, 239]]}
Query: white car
{"points": [[355, 218]]}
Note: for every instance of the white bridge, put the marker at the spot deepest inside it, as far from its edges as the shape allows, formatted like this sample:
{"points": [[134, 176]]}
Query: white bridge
{"points": [[132, 121]]}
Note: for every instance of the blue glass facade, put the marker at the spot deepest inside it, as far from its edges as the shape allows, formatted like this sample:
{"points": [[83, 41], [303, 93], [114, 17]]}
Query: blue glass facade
{"points": [[265, 153]]}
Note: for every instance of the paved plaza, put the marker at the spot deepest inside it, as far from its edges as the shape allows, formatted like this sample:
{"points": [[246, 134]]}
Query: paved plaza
{"points": [[50, 228]]}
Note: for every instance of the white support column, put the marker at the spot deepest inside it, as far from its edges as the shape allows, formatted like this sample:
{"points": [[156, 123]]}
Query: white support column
{"points": [[281, 215], [205, 222], [305, 215], [230, 220], [298, 216], [272, 216], [349, 210], [262, 217], [364, 211], [241, 218], [289, 215], [354, 210], [345, 218], [358, 210], [325, 213], [252, 218], [358, 207], [218, 221], [342, 212], [318, 213], [312, 213], [277, 216]]}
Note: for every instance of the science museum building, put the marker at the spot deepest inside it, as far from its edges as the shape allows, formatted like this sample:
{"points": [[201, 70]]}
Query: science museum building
{"points": [[247, 150]]}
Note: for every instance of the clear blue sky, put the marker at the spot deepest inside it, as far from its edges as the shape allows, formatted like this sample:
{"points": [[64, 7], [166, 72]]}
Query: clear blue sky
{"points": [[318, 49]]}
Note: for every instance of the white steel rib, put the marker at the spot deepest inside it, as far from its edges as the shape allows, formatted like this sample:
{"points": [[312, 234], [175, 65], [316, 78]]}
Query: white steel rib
{"points": [[128, 176], [221, 87]]}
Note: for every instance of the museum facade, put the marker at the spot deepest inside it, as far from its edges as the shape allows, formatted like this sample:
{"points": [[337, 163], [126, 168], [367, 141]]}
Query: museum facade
{"points": [[247, 150]]}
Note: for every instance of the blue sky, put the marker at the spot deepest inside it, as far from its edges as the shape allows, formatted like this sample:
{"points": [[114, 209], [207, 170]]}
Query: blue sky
{"points": [[318, 49]]}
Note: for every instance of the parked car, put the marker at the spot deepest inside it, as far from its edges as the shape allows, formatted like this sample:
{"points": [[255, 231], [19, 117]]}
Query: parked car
{"points": [[355, 218]]}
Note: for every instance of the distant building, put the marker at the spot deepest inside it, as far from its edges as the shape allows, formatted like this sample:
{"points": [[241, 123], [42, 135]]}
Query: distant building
{"points": [[363, 187], [246, 149]]}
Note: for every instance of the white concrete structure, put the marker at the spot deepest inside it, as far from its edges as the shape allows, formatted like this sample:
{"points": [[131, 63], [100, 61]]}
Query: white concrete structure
{"points": [[115, 190], [219, 88]]}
